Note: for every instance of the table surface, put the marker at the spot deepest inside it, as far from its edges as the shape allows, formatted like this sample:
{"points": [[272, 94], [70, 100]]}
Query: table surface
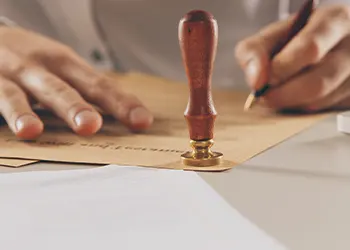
{"points": [[298, 191]]}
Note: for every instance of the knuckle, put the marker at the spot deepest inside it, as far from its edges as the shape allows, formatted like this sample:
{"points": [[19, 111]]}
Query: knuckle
{"points": [[129, 101], [125, 103], [97, 88], [240, 48], [52, 55], [12, 100], [63, 52], [56, 87], [320, 87], [244, 49], [313, 50], [59, 58], [18, 68], [341, 11], [7, 91], [65, 49]]}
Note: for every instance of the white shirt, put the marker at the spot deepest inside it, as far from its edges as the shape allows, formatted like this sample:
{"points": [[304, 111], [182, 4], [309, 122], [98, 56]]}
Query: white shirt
{"points": [[73, 21]]}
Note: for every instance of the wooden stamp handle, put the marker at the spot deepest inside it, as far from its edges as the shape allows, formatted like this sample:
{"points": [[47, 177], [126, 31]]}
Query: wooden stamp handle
{"points": [[198, 34]]}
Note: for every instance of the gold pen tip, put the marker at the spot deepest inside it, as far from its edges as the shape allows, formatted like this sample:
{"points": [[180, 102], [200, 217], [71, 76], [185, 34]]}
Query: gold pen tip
{"points": [[249, 102]]}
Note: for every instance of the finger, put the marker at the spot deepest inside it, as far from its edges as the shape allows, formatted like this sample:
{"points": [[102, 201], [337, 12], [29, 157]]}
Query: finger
{"points": [[314, 84], [333, 100], [254, 53], [343, 104], [15, 108], [104, 92], [61, 98], [325, 29]]}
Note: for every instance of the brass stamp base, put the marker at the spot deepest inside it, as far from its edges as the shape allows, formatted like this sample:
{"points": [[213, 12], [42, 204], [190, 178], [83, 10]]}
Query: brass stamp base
{"points": [[201, 155], [214, 159]]}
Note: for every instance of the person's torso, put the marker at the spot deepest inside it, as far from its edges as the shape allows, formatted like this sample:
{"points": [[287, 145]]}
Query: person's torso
{"points": [[142, 35]]}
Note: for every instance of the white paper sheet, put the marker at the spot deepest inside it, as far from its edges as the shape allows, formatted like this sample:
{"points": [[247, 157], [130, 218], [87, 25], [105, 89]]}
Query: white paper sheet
{"points": [[120, 208]]}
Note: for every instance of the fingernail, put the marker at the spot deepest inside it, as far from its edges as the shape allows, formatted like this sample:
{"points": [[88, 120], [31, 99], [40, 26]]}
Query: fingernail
{"points": [[85, 117], [252, 70], [26, 121], [140, 116]]}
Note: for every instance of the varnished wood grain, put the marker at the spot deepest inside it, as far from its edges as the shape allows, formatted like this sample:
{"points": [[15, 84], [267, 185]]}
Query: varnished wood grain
{"points": [[198, 36]]}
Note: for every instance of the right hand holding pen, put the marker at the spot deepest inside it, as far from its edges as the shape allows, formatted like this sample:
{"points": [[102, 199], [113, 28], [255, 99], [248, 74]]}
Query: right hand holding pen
{"points": [[312, 72], [34, 68]]}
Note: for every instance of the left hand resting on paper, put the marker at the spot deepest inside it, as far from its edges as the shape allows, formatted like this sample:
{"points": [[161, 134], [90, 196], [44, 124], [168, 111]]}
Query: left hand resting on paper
{"points": [[37, 69], [312, 73]]}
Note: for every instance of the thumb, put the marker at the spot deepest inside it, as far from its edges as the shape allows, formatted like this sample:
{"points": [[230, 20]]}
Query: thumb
{"points": [[254, 53]]}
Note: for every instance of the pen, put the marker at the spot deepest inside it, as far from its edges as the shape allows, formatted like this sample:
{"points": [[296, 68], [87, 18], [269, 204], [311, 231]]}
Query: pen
{"points": [[300, 22]]}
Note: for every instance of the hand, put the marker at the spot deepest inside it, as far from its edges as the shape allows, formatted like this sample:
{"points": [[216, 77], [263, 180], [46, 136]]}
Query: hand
{"points": [[312, 73], [35, 68]]}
